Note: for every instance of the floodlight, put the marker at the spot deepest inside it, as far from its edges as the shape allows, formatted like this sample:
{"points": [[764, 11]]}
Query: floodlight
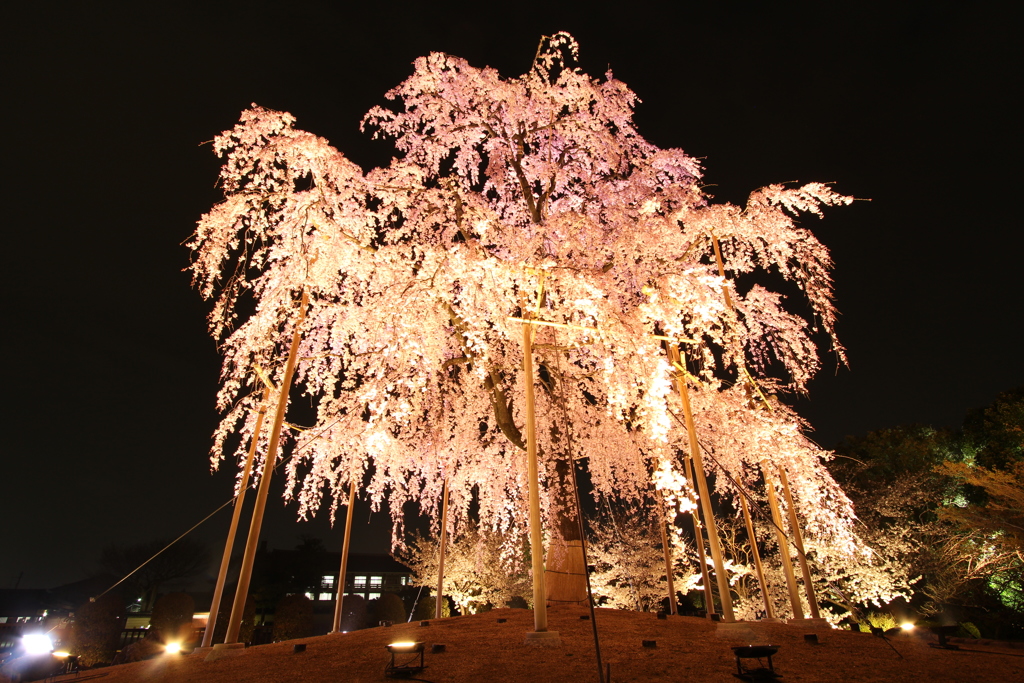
{"points": [[62, 654], [172, 648], [755, 652], [907, 626], [411, 665], [37, 643]]}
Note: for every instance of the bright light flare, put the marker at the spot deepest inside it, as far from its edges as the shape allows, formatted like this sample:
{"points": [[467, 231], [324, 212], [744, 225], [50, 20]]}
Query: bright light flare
{"points": [[405, 647], [62, 654], [907, 626], [37, 644], [172, 648]]}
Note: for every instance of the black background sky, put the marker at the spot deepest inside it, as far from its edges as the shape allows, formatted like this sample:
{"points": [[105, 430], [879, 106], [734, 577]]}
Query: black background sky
{"points": [[110, 375]]}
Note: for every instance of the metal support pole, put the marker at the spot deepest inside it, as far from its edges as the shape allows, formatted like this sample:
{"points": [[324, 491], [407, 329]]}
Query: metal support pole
{"points": [[794, 526], [439, 600], [245, 576], [229, 544], [339, 602]]}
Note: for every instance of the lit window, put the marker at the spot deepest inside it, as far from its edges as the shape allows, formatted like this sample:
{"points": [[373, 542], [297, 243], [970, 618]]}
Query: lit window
{"points": [[403, 580], [310, 596], [327, 582], [374, 596], [360, 580], [327, 596], [376, 580]]}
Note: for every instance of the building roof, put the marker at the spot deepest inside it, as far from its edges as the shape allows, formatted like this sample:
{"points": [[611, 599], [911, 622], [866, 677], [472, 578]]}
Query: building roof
{"points": [[30, 602]]}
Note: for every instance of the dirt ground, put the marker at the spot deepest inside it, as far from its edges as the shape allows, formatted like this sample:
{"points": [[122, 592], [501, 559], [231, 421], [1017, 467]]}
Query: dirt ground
{"points": [[480, 649]]}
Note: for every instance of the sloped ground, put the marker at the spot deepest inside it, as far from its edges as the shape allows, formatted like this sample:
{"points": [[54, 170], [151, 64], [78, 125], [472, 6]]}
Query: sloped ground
{"points": [[479, 649]]}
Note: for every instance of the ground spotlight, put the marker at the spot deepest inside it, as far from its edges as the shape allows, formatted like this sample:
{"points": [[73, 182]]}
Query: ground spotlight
{"points": [[414, 662], [172, 648]]}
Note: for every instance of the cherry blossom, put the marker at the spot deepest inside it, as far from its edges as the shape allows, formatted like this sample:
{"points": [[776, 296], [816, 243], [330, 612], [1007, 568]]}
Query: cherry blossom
{"points": [[512, 199]]}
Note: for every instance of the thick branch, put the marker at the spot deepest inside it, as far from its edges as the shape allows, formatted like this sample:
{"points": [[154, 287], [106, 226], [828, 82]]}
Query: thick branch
{"points": [[501, 406]]}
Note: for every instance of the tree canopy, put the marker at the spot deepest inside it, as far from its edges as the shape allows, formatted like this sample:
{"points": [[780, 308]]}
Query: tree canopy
{"points": [[511, 199]]}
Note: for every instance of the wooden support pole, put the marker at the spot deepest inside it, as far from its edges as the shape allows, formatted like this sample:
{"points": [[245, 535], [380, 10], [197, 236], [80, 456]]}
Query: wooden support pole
{"points": [[339, 602], [229, 543], [439, 600], [663, 524], [787, 564], [702, 556], [540, 613], [794, 527], [245, 575], [769, 612], [724, 596]]}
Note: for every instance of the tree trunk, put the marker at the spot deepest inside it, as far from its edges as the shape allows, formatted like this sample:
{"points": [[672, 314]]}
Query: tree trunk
{"points": [[566, 571]]}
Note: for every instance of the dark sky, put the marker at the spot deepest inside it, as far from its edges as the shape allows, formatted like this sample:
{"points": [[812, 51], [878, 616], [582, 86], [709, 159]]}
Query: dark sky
{"points": [[109, 402]]}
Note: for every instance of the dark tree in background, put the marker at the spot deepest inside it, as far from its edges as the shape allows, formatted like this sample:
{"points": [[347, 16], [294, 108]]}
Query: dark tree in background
{"points": [[293, 618], [887, 455], [183, 560], [949, 507], [995, 433], [355, 613], [172, 616], [97, 629], [388, 607]]}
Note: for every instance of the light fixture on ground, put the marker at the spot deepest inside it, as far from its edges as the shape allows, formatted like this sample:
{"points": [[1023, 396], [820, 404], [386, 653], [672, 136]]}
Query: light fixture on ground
{"points": [[755, 652], [406, 658]]}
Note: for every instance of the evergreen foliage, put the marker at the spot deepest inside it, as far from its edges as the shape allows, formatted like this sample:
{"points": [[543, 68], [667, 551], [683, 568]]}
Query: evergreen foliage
{"points": [[96, 632], [293, 618], [355, 615], [172, 616]]}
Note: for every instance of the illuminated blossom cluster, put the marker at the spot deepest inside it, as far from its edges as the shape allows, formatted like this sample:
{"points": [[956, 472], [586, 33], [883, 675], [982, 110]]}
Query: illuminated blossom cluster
{"points": [[511, 198], [629, 564], [477, 569]]}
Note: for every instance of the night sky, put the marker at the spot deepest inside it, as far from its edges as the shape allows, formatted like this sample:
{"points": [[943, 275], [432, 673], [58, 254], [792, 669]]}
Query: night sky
{"points": [[109, 398]]}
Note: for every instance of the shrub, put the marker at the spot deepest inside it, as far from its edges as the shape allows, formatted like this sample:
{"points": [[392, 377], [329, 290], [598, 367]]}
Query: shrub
{"points": [[425, 609], [354, 617], [882, 620], [968, 630], [388, 607], [172, 617], [96, 633], [149, 647], [293, 618]]}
